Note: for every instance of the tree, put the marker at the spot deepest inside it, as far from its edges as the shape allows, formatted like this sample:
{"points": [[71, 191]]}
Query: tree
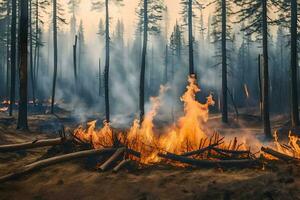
{"points": [[188, 15], [55, 19], [23, 52], [256, 13], [176, 43], [73, 7], [223, 11], [150, 13], [97, 5], [13, 32], [290, 14]]}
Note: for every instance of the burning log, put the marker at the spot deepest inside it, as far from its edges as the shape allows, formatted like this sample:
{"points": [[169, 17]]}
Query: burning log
{"points": [[121, 165], [112, 159], [235, 152], [54, 160], [210, 163], [31, 145], [279, 155]]}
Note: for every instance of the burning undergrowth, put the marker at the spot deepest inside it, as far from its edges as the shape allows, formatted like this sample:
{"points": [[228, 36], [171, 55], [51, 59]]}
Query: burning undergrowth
{"points": [[186, 138]]}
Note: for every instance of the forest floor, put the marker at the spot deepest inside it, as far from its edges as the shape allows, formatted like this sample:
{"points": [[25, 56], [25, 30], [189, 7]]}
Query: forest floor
{"points": [[74, 180]]}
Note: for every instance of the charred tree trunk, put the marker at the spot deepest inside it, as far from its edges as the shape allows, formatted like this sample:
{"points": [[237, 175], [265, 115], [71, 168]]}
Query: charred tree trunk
{"points": [[31, 52], [54, 53], [7, 50], [75, 62], [294, 65], [23, 52], [13, 55], [266, 113], [224, 65], [191, 38], [35, 71], [143, 64], [107, 57]]}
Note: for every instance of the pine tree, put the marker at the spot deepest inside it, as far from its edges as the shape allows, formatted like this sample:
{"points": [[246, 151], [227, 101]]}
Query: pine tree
{"points": [[256, 13], [22, 117], [221, 34], [150, 13], [98, 5]]}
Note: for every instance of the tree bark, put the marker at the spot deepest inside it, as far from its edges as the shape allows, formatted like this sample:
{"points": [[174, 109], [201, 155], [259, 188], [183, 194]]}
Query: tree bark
{"points": [[143, 64], [13, 56], [294, 66], [266, 113], [107, 60], [31, 52], [7, 49], [75, 62], [54, 54], [23, 52], [191, 38], [224, 65]]}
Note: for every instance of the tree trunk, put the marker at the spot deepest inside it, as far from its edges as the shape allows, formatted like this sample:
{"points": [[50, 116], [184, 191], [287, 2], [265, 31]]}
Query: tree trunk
{"points": [[55, 54], [31, 52], [143, 64], [13, 56], [35, 73], [75, 62], [224, 65], [191, 38], [166, 65], [23, 52], [100, 78], [107, 57], [294, 65], [266, 114], [7, 49]]}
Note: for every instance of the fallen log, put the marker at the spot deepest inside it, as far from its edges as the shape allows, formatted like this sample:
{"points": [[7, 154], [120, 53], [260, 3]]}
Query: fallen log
{"points": [[54, 160], [133, 152], [231, 151], [112, 159], [31, 145], [121, 165], [210, 163], [279, 155]]}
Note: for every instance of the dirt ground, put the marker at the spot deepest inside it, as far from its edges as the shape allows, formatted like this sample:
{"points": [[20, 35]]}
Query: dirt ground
{"points": [[74, 180]]}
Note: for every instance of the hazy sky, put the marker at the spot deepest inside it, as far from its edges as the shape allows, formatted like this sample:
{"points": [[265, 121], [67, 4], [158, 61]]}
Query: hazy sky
{"points": [[127, 13]]}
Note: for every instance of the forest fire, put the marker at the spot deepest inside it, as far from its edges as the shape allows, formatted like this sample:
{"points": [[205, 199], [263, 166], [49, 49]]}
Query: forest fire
{"points": [[188, 134]]}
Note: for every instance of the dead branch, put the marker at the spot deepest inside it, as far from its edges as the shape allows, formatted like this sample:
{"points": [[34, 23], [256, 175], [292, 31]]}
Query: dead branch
{"points": [[121, 165], [210, 163], [199, 151], [54, 160], [31, 145], [279, 155], [112, 159]]}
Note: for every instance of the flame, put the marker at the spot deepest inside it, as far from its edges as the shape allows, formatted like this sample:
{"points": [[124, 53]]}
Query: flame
{"points": [[186, 134], [291, 149]]}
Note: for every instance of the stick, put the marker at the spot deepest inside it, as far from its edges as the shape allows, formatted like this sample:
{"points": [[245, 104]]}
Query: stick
{"points": [[279, 155], [113, 158], [199, 151], [121, 165], [54, 160], [31, 145], [210, 163]]}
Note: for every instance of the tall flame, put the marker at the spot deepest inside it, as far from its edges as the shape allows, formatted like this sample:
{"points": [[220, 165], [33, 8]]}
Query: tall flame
{"points": [[185, 135]]}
